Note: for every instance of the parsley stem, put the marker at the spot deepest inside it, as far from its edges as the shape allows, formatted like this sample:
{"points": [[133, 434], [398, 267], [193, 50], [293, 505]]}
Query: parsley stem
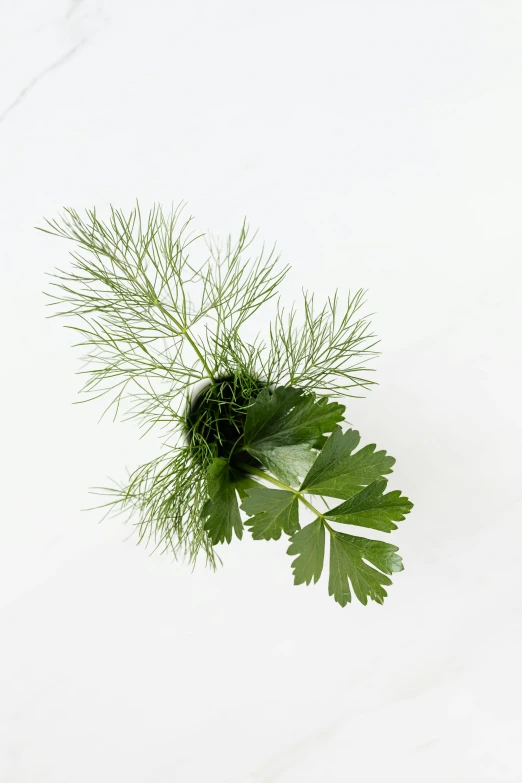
{"points": [[261, 473]]}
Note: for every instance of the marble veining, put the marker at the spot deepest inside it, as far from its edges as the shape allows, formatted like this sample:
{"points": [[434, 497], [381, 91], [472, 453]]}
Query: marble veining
{"points": [[38, 78]]}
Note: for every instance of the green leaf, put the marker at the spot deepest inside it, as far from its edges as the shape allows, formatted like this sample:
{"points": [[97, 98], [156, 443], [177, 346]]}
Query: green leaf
{"points": [[242, 482], [339, 473], [348, 567], [288, 416], [222, 508], [273, 511], [308, 544], [206, 508], [288, 463], [370, 508]]}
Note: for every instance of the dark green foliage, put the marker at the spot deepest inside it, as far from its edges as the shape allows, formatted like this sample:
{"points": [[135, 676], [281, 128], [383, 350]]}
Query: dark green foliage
{"points": [[347, 566], [340, 473], [271, 511], [288, 416], [217, 415], [221, 509], [371, 508], [308, 544]]}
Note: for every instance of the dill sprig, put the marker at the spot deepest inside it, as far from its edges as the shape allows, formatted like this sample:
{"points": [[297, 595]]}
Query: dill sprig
{"points": [[156, 326], [328, 352], [164, 498]]}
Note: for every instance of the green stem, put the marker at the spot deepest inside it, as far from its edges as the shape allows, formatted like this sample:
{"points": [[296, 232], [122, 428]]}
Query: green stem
{"points": [[190, 340], [261, 473]]}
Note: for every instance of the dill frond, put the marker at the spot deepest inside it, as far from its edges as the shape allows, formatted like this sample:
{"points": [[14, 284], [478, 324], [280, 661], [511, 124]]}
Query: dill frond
{"points": [[163, 499], [328, 352]]}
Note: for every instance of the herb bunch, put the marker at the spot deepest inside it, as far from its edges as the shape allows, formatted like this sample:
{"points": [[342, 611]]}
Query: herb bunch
{"points": [[164, 343]]}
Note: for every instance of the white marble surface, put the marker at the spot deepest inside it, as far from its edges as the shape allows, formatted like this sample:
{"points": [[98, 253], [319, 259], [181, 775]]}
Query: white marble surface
{"points": [[379, 143]]}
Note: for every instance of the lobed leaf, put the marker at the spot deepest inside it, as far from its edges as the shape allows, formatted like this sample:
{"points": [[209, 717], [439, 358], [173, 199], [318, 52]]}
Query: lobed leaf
{"points": [[348, 567], [288, 416], [222, 510], [288, 463], [272, 512], [371, 508], [339, 473], [308, 544]]}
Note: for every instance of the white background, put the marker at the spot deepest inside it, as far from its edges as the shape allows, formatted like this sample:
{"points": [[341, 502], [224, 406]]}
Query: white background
{"points": [[379, 144]]}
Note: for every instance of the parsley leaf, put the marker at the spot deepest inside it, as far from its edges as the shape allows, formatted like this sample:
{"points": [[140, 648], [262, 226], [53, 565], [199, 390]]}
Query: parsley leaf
{"points": [[288, 463], [339, 473], [370, 508], [347, 562], [308, 544], [222, 508], [282, 427], [273, 511], [286, 431], [288, 416], [241, 482]]}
